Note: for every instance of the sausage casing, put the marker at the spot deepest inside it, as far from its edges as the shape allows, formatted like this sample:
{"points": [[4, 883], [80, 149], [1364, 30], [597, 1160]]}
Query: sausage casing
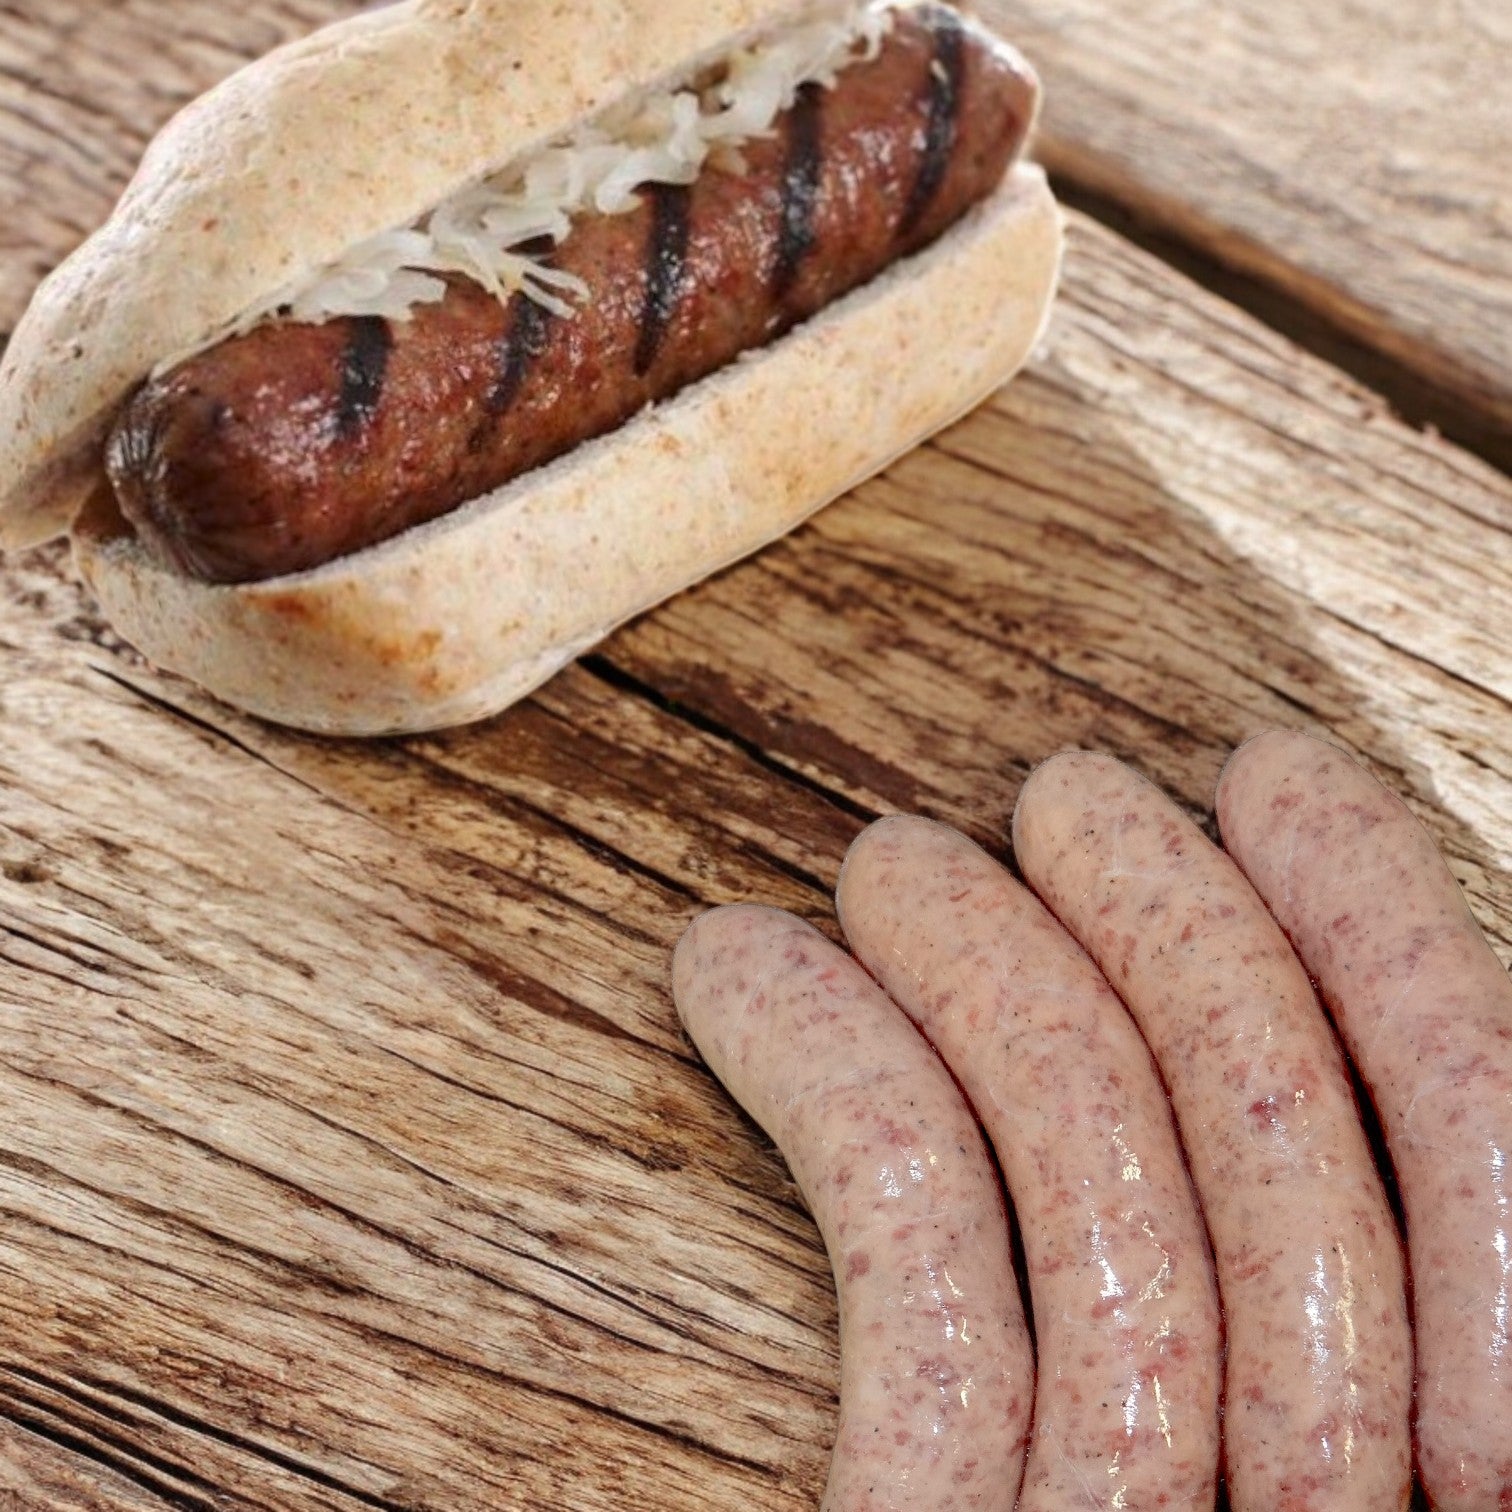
{"points": [[296, 444], [1319, 1375], [1125, 1303], [1426, 1010], [936, 1366]]}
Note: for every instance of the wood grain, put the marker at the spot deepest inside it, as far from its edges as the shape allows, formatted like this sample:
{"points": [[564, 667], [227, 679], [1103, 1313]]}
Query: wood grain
{"points": [[353, 1157], [1356, 156], [37, 1475]]}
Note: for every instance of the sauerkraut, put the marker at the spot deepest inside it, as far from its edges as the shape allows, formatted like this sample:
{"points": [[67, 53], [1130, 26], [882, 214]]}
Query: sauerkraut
{"points": [[482, 231]]}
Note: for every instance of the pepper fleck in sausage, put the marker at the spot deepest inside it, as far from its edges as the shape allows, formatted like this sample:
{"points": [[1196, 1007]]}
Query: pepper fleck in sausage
{"points": [[296, 444]]}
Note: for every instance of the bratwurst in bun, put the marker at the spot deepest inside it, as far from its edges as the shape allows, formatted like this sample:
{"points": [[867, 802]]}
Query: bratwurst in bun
{"points": [[422, 353]]}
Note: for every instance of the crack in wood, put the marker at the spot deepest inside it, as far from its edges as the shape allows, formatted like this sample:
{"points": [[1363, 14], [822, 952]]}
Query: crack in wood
{"points": [[157, 1408], [602, 667], [123, 1460]]}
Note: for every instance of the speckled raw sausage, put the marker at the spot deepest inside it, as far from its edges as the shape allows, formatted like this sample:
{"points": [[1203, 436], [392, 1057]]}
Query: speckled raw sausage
{"points": [[1426, 1010], [936, 1367], [1319, 1377], [1126, 1307]]}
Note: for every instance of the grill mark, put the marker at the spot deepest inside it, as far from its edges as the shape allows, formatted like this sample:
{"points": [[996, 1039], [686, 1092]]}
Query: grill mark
{"points": [[526, 339], [800, 187], [364, 366], [947, 81], [523, 341], [666, 264]]}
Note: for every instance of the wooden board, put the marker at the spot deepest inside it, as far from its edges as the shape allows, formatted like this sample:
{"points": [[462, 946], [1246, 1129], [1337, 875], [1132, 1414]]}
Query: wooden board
{"points": [[1352, 156], [351, 1156]]}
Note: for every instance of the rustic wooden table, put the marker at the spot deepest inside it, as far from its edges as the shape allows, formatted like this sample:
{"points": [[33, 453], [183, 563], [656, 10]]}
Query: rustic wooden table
{"points": [[350, 1153]]}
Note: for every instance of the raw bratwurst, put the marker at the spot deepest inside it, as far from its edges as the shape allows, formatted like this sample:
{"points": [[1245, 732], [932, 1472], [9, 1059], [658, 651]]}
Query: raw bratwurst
{"points": [[1310, 1270], [1128, 1335], [936, 1369], [1426, 1010]]}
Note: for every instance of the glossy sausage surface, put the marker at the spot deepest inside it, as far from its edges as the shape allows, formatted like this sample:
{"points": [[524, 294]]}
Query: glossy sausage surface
{"points": [[1426, 1010], [936, 1368], [1125, 1303], [1310, 1271]]}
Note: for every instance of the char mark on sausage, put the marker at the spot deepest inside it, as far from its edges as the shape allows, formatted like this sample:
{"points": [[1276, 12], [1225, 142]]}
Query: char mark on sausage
{"points": [[525, 340], [295, 445], [666, 269], [801, 176], [947, 80], [364, 366]]}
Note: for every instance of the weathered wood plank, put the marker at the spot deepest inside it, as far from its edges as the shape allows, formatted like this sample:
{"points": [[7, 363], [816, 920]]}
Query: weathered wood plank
{"points": [[37, 1475], [1356, 156], [299, 1199], [352, 1154]]}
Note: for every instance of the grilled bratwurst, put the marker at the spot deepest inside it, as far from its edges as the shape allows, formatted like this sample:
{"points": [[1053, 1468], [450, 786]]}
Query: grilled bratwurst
{"points": [[297, 444]]}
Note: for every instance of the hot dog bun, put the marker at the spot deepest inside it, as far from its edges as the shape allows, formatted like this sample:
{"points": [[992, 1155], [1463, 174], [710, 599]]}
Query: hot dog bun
{"points": [[364, 127]]}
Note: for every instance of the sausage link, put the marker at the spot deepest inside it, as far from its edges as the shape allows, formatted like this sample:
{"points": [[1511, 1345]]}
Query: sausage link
{"points": [[1426, 1011], [1125, 1304], [1309, 1261], [296, 444], [936, 1367]]}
